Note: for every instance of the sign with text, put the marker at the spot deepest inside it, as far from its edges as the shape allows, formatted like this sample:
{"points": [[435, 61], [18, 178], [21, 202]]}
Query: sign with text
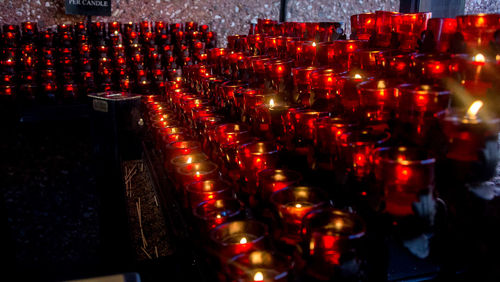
{"points": [[88, 7]]}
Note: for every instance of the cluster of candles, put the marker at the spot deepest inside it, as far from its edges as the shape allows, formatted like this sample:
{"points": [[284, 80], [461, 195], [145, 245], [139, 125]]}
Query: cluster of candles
{"points": [[232, 126], [81, 58]]}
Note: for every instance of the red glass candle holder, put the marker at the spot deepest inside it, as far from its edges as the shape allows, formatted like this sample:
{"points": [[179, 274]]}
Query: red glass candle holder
{"points": [[324, 89], [396, 64], [292, 204], [29, 29], [347, 84], [378, 99], [478, 30], [271, 180], [256, 156], [213, 213], [422, 100], [383, 28], [343, 51], [432, 67], [270, 119], [468, 133], [259, 266], [476, 73], [238, 237], [303, 126], [367, 60], [330, 237], [307, 54], [328, 131], [198, 192], [363, 26], [409, 27], [266, 26], [302, 85], [405, 173], [195, 172], [180, 148], [356, 149], [443, 29]]}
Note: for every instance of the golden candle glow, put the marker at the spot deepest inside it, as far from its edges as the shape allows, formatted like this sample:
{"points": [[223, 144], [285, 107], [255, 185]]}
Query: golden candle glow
{"points": [[243, 240], [474, 109]]}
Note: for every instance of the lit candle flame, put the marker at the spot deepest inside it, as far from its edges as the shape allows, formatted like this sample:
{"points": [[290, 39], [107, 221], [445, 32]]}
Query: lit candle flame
{"points": [[271, 103], [479, 58], [258, 276], [381, 84], [338, 224], [218, 216], [474, 109], [298, 206], [314, 44], [357, 76], [189, 160], [197, 173], [243, 240]]}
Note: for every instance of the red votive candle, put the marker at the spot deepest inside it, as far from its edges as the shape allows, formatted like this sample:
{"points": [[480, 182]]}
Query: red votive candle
{"points": [[476, 73], [213, 213], [292, 204], [443, 29], [343, 51], [256, 156], [405, 173], [194, 172], [468, 133], [330, 237], [409, 27], [205, 190], [308, 53], [238, 237], [259, 266], [363, 26], [356, 150], [180, 148], [324, 89], [302, 85], [271, 180], [478, 30], [327, 133], [422, 100], [383, 28], [433, 67], [347, 84], [378, 99]]}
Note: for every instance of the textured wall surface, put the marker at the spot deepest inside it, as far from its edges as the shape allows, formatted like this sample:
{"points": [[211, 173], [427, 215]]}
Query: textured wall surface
{"points": [[340, 11], [482, 6]]}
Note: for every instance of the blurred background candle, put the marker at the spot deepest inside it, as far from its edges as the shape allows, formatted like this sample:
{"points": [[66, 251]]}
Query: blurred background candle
{"points": [[409, 27], [442, 29], [378, 99]]}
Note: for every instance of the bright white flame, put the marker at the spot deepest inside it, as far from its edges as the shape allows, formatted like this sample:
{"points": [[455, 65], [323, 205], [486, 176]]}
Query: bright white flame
{"points": [[258, 276], [474, 109], [197, 173], [271, 103], [357, 76], [479, 58], [314, 44], [243, 240], [218, 216], [298, 205], [189, 160]]}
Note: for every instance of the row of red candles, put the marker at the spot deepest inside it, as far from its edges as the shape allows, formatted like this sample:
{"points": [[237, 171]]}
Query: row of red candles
{"points": [[187, 123], [211, 199], [477, 30], [408, 173], [111, 72]]}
